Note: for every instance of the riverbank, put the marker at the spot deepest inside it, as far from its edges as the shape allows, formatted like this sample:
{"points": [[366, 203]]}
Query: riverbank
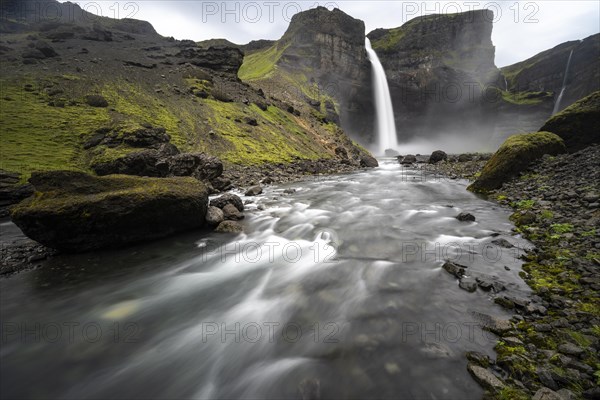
{"points": [[554, 348]]}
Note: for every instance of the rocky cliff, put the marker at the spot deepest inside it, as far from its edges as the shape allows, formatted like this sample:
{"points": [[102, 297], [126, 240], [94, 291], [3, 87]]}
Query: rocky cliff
{"points": [[75, 87], [439, 68], [321, 64], [545, 72]]}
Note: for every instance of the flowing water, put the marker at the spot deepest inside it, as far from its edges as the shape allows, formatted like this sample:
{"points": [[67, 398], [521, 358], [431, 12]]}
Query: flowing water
{"points": [[339, 282], [564, 86], [386, 126]]}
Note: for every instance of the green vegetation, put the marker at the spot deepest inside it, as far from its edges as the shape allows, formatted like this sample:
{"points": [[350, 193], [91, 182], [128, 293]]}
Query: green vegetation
{"points": [[525, 98], [523, 204], [390, 40], [260, 64], [514, 156], [37, 136], [562, 228]]}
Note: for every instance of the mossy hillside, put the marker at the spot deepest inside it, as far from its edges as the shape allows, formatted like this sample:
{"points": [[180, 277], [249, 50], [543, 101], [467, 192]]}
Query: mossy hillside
{"points": [[261, 63], [515, 154], [390, 40], [277, 137], [525, 98], [37, 136], [579, 124]]}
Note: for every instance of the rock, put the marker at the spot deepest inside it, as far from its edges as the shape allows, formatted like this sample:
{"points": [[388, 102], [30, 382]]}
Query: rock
{"points": [[503, 243], [230, 212], [214, 216], [546, 394], [523, 218], [492, 324], [289, 191], [465, 217], [579, 124], [254, 191], [515, 154], [141, 163], [199, 165], [545, 378], [477, 358], [146, 137], [484, 377], [367, 161], [96, 100], [570, 349], [468, 284], [44, 48], [341, 152], [437, 156], [408, 159], [228, 198], [310, 389], [75, 212], [454, 269], [229, 227], [251, 121], [465, 158]]}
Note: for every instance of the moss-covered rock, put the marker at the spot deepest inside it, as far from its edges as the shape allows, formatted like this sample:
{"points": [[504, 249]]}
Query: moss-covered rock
{"points": [[579, 124], [515, 154], [74, 211]]}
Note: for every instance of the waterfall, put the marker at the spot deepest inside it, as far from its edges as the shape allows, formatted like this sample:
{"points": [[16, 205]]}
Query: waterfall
{"points": [[505, 84], [564, 86], [386, 126]]}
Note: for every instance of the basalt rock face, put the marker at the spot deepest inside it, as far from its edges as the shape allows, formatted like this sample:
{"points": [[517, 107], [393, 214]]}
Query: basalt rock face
{"points": [[545, 72], [438, 67]]}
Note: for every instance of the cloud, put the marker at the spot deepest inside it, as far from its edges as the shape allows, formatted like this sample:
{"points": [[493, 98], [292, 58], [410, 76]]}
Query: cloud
{"points": [[521, 30]]}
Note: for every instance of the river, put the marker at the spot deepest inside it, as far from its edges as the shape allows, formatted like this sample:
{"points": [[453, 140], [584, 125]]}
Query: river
{"points": [[339, 283]]}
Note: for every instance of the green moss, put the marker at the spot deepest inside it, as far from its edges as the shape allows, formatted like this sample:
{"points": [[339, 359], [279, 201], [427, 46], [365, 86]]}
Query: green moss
{"points": [[261, 63], [524, 204], [525, 98], [390, 40], [547, 214], [514, 156], [36, 136], [562, 228], [509, 393]]}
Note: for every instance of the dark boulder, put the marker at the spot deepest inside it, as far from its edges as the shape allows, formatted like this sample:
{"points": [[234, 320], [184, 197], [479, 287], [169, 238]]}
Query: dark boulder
{"points": [[140, 163], [214, 216], [74, 211], [230, 212], [367, 161], [464, 158], [199, 165], [229, 227], [437, 156], [408, 159], [228, 198], [45, 48], [465, 217], [146, 137]]}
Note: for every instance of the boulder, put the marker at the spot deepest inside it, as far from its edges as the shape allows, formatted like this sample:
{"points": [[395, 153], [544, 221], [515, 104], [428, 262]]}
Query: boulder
{"points": [[254, 191], [465, 158], [74, 212], [465, 217], [231, 213], [577, 125], [96, 100], [146, 137], [367, 161], [199, 165], [214, 216], [140, 163], [485, 377], [454, 269], [437, 156], [228, 198], [546, 394], [229, 227], [515, 154]]}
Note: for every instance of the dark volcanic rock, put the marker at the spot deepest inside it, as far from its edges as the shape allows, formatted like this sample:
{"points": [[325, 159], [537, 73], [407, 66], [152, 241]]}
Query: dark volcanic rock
{"points": [[579, 124], [368, 161], [465, 217], [76, 212], [219, 58], [96, 100], [254, 191], [437, 156], [228, 198], [229, 227]]}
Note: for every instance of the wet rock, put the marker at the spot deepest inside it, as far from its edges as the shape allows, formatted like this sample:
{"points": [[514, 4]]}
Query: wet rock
{"points": [[367, 161], [229, 227], [76, 212], [522, 218], [254, 191], [214, 216], [546, 394], [493, 324], [465, 217], [408, 159], [454, 269], [199, 165], [228, 198], [468, 284], [503, 243], [545, 378], [437, 156], [465, 158], [478, 358], [485, 377], [230, 212]]}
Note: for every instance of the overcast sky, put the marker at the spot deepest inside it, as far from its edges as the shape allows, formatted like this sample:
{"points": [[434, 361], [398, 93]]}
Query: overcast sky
{"points": [[521, 28]]}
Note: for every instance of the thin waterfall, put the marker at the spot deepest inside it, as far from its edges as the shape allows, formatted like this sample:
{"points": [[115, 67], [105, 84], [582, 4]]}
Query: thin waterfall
{"points": [[505, 84], [386, 126], [564, 86]]}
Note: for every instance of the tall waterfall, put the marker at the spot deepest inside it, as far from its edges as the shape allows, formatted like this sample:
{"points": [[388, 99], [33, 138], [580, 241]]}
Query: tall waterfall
{"points": [[564, 86], [386, 126]]}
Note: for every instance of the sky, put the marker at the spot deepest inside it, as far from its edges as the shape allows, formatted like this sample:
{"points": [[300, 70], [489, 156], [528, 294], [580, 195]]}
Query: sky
{"points": [[522, 28]]}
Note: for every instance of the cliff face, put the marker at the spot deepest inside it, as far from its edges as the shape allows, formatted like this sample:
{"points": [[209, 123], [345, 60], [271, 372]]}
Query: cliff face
{"points": [[439, 68], [321, 62], [546, 71]]}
